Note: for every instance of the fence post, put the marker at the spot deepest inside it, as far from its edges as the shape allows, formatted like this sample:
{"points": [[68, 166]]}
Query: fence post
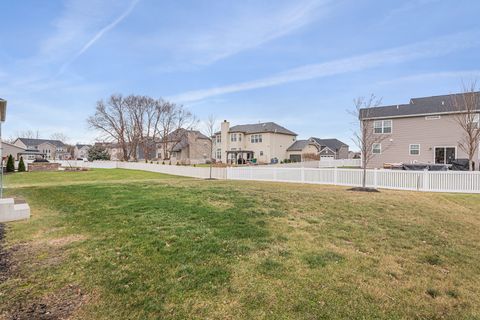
{"points": [[426, 181], [274, 174], [251, 173], [375, 178], [303, 174], [335, 175], [226, 173]]}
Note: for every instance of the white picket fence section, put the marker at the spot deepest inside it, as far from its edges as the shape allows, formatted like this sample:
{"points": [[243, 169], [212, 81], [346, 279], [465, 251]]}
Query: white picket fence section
{"points": [[435, 181], [332, 163]]}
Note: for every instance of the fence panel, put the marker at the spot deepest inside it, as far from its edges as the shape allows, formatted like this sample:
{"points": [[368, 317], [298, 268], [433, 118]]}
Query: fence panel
{"points": [[467, 182]]}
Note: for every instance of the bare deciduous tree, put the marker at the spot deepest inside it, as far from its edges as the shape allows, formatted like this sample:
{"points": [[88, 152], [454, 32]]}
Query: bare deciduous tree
{"points": [[139, 122], [111, 118], [467, 112], [174, 117], [29, 134], [210, 128], [364, 135], [59, 136]]}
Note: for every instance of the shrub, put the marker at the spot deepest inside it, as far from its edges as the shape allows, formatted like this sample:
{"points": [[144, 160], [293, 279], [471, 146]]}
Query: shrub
{"points": [[10, 164], [21, 165], [163, 162], [98, 152]]}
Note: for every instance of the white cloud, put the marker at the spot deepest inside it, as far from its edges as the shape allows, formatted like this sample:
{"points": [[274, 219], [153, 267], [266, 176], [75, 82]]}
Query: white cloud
{"points": [[236, 31], [431, 48], [99, 34]]}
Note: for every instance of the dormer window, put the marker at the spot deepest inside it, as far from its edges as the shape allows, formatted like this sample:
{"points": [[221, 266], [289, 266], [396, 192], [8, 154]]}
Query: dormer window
{"points": [[382, 126]]}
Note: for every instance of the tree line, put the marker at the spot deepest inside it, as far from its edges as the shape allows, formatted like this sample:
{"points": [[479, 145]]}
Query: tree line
{"points": [[137, 122]]}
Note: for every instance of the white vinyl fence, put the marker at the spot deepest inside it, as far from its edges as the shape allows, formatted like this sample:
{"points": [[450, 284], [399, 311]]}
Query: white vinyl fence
{"points": [[331, 163], [436, 181]]}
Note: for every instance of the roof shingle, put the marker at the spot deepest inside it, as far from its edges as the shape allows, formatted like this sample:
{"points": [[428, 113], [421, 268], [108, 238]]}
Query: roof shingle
{"points": [[261, 128], [418, 107]]}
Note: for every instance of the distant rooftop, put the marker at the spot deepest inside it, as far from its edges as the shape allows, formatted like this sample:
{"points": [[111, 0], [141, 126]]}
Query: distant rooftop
{"points": [[36, 142], [271, 127], [333, 144], [418, 107]]}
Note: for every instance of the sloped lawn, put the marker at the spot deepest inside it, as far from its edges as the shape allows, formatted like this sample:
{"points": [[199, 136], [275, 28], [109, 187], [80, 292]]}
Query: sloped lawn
{"points": [[118, 244]]}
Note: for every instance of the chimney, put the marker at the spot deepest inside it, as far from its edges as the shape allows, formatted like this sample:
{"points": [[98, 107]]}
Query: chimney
{"points": [[225, 127]]}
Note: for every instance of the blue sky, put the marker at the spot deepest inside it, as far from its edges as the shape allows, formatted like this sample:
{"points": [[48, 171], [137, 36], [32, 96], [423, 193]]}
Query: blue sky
{"points": [[299, 63]]}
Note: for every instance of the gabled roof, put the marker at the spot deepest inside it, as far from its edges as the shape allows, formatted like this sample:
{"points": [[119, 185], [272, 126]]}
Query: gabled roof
{"points": [[261, 128], [181, 132], [333, 144], [80, 146], [418, 107], [299, 145], [36, 142]]}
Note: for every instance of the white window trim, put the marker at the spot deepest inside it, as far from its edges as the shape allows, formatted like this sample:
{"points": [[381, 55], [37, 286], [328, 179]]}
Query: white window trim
{"points": [[373, 148], [383, 126], [437, 117], [410, 149]]}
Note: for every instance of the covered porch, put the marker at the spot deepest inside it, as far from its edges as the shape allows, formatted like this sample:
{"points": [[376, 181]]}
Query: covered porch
{"points": [[239, 156]]}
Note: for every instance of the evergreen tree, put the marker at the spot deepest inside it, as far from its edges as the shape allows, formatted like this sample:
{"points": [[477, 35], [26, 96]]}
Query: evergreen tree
{"points": [[98, 152], [21, 165], [10, 164]]}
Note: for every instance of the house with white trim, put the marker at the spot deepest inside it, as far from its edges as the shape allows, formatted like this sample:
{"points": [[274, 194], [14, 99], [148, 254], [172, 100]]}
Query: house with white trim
{"points": [[421, 131]]}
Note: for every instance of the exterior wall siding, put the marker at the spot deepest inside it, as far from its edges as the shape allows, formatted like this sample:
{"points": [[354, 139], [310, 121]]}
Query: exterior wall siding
{"points": [[442, 132]]}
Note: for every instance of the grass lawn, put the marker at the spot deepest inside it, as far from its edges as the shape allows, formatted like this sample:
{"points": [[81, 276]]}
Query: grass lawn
{"points": [[118, 244]]}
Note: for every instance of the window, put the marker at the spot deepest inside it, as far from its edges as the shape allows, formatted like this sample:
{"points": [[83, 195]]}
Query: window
{"points": [[256, 138], [476, 119], [445, 155], [382, 126], [219, 138], [376, 148], [414, 149], [233, 137], [219, 154], [239, 137], [261, 153]]}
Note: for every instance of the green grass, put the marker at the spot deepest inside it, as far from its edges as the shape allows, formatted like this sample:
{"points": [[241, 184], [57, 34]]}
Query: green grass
{"points": [[147, 246]]}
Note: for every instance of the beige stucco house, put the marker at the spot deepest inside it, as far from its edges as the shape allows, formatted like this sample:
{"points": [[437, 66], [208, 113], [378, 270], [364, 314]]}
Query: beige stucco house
{"points": [[260, 141], [422, 131]]}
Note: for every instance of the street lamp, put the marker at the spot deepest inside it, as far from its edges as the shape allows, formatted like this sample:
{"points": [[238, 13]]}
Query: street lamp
{"points": [[3, 113]]}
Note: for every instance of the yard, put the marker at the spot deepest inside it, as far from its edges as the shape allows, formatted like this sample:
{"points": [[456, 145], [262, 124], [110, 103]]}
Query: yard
{"points": [[118, 244]]}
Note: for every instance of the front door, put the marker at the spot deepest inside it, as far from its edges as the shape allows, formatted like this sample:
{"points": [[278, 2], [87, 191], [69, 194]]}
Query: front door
{"points": [[445, 155]]}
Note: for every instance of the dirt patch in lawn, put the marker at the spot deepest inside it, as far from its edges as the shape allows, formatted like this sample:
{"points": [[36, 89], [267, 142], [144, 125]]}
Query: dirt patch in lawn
{"points": [[16, 261], [62, 304]]}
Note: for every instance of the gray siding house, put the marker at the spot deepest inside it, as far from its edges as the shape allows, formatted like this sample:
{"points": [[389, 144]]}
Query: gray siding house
{"points": [[422, 131]]}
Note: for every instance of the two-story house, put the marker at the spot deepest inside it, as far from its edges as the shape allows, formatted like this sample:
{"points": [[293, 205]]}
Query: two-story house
{"points": [[260, 141], [422, 131], [50, 149]]}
